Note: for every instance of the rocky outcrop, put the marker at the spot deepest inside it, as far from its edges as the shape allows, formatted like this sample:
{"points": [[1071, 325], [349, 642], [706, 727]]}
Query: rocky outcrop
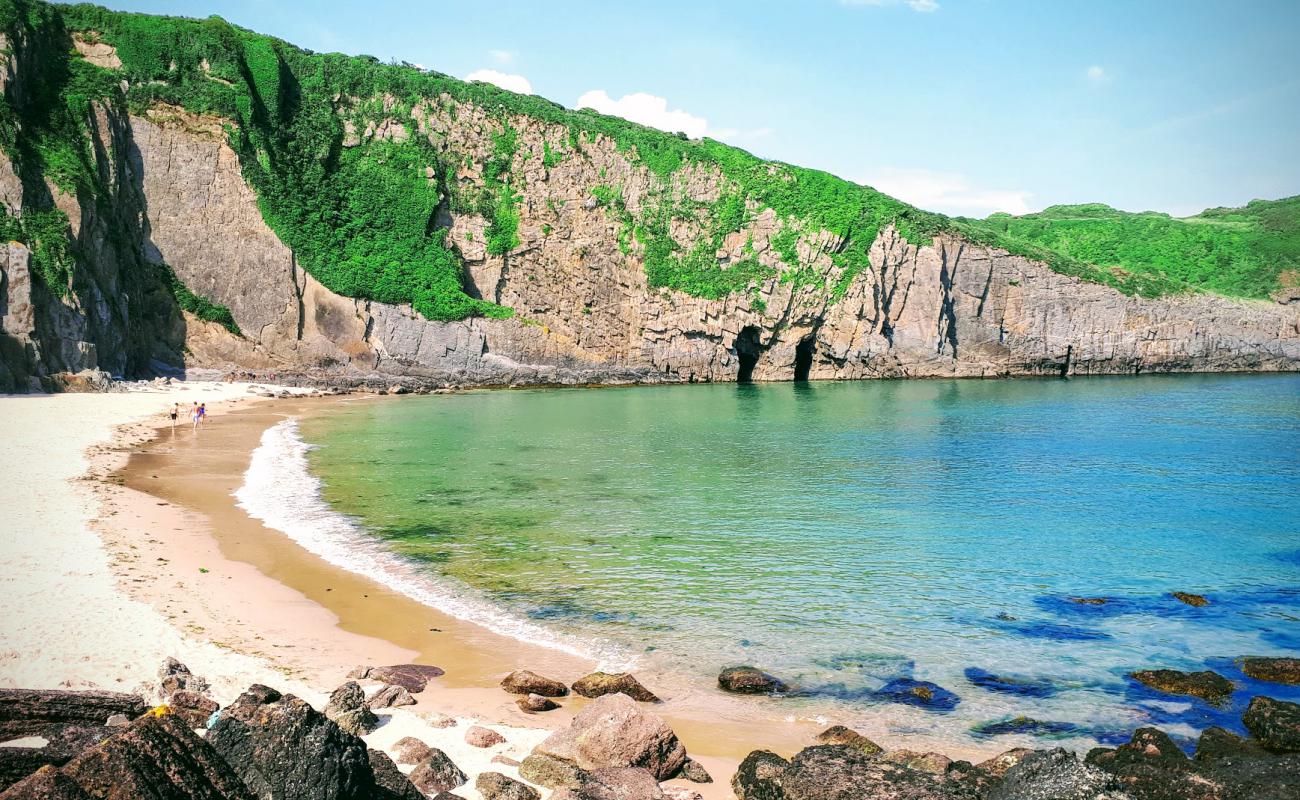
{"points": [[1206, 684], [1276, 669]]}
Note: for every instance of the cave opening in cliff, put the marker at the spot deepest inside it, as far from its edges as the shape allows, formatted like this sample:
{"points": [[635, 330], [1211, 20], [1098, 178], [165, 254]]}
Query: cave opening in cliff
{"points": [[747, 350], [803, 358]]}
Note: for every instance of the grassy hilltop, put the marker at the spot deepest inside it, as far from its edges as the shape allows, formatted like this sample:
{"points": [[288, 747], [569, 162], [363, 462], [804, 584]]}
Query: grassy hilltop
{"points": [[361, 218]]}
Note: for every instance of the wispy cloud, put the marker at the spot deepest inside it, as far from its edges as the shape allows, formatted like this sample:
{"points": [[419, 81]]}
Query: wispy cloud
{"points": [[502, 56], [740, 134], [924, 6], [647, 109], [947, 192], [1096, 74], [514, 83]]}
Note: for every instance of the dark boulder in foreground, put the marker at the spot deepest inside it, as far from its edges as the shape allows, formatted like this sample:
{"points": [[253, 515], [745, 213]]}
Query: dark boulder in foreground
{"points": [[390, 783], [1206, 684], [48, 783], [18, 707], [836, 772], [495, 786], [759, 776], [1275, 723], [599, 684], [1055, 775], [917, 693], [749, 680], [436, 772], [1273, 670], [286, 750], [839, 734], [522, 681]]}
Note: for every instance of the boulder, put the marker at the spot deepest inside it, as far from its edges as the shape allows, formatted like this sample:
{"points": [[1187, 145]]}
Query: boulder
{"points": [[614, 732], [1010, 684], [390, 783], [551, 772], [524, 682], [837, 772], [917, 693], [192, 707], [1055, 775], [1206, 684], [347, 707], [63, 742], [1195, 600], [478, 736], [749, 680], [391, 697], [533, 703], [1273, 670], [838, 734], [410, 750], [437, 773], [156, 757], [286, 750], [615, 783], [1275, 723], [694, 772], [1151, 767], [21, 706], [998, 765], [759, 776], [934, 763], [47, 783], [495, 786], [411, 677], [599, 684], [1216, 743], [173, 676]]}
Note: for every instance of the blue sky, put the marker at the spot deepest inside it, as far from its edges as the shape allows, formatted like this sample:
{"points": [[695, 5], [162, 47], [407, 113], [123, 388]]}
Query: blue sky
{"points": [[960, 106]]}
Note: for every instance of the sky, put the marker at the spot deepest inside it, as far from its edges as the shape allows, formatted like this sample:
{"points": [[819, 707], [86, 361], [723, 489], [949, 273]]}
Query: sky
{"points": [[960, 106]]}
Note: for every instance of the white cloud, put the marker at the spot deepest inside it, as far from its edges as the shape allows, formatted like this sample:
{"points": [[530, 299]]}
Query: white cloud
{"points": [[1096, 73], [502, 56], [647, 109], [739, 134], [947, 192], [923, 6], [514, 83]]}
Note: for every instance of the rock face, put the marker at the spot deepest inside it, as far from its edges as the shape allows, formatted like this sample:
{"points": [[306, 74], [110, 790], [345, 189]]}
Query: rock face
{"points": [[614, 732], [1206, 684], [1274, 670], [586, 311], [598, 684], [525, 682], [749, 680], [284, 749]]}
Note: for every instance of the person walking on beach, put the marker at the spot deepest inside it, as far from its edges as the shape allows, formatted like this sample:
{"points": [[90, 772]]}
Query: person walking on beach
{"points": [[194, 415], [203, 412], [176, 412]]}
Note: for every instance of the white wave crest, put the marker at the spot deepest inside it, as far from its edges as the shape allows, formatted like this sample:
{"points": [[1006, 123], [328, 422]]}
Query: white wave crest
{"points": [[280, 491]]}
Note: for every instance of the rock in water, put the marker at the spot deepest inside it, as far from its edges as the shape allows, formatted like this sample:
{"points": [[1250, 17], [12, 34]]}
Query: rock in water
{"points": [[524, 682], [836, 772], [1207, 685], [917, 693], [533, 703], [286, 750], [1195, 600], [478, 736], [1275, 723], [390, 783], [1055, 775], [838, 734], [156, 757], [599, 684], [410, 750], [614, 732], [495, 786], [749, 680], [1273, 670], [347, 707], [390, 697], [759, 776], [437, 773]]}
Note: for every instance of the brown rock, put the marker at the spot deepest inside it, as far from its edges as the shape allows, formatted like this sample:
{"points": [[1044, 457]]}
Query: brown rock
{"points": [[525, 682], [694, 772], [551, 772], [749, 680], [47, 783], [614, 732], [934, 763], [1207, 685], [53, 705], [1191, 599], [410, 750], [533, 703], [437, 773], [838, 734], [478, 736], [1275, 723], [495, 786], [391, 697], [192, 707], [599, 684], [1272, 669], [614, 783], [347, 708], [998, 765], [411, 677]]}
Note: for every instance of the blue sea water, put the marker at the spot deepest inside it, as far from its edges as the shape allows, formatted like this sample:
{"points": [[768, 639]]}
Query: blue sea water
{"points": [[849, 536]]}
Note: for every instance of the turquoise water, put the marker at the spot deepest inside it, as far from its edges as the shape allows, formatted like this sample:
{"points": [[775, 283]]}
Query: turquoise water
{"points": [[845, 535]]}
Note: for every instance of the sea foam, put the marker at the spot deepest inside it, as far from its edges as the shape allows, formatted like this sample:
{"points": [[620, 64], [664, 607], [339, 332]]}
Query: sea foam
{"points": [[280, 491]]}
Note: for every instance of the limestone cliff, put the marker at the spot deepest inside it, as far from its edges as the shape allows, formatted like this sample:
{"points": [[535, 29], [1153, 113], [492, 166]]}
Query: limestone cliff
{"points": [[576, 276]]}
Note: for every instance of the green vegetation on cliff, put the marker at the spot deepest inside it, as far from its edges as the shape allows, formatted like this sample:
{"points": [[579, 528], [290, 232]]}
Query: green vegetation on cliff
{"points": [[361, 212]]}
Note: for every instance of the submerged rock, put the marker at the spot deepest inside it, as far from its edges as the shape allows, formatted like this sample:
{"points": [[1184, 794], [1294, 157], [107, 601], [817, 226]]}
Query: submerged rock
{"points": [[917, 693], [759, 776], [347, 707], [436, 772], [533, 703], [1025, 725], [1010, 684], [495, 786], [1089, 601], [523, 681], [1272, 669], [614, 732], [1195, 600], [598, 684], [1206, 684], [749, 680], [839, 734], [1275, 723]]}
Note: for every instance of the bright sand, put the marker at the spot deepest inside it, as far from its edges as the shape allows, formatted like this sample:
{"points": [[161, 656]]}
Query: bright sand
{"points": [[102, 581]]}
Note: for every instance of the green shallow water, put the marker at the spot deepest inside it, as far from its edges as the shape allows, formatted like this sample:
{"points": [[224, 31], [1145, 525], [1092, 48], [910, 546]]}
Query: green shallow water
{"points": [[846, 534]]}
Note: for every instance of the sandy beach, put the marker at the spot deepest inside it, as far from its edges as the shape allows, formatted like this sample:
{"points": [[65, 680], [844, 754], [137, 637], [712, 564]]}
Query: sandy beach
{"points": [[127, 547]]}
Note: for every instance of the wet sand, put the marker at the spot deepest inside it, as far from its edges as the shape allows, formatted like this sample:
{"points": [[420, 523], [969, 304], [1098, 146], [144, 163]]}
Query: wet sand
{"points": [[264, 594]]}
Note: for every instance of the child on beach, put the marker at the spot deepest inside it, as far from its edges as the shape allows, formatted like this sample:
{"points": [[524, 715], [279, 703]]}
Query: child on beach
{"points": [[203, 412]]}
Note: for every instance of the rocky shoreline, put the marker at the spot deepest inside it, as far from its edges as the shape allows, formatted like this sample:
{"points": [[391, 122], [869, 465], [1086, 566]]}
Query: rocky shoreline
{"points": [[180, 743]]}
